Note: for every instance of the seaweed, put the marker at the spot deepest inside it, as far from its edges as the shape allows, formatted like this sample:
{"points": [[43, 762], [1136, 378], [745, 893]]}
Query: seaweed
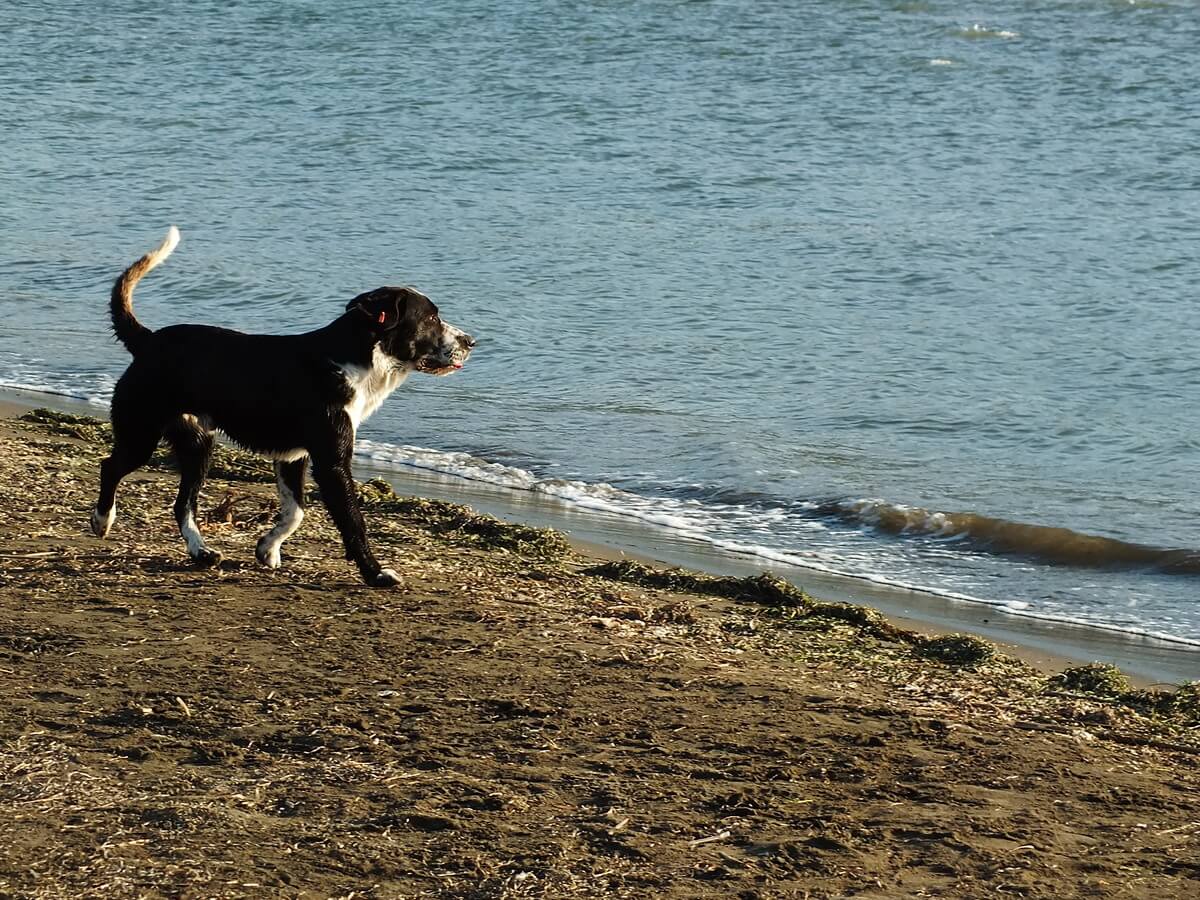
{"points": [[85, 428], [766, 589], [1101, 679], [956, 649], [1178, 710], [1185, 702], [454, 521], [234, 464], [870, 621]]}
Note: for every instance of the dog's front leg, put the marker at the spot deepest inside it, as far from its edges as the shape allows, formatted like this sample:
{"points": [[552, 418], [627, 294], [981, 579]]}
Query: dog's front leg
{"points": [[332, 475]]}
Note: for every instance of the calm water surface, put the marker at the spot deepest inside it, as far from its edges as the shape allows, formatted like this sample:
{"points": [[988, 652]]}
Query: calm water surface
{"points": [[793, 277]]}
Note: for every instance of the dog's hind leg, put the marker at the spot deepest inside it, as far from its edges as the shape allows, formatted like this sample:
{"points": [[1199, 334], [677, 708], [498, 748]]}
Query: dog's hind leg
{"points": [[193, 447], [134, 441], [289, 478]]}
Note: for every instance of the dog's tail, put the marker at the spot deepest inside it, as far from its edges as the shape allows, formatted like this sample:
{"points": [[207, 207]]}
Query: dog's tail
{"points": [[128, 329]]}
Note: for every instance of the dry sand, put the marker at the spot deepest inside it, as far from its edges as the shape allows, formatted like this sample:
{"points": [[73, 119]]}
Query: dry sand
{"points": [[508, 724]]}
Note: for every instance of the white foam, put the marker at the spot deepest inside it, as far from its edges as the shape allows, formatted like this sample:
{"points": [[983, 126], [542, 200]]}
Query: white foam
{"points": [[689, 519], [983, 31]]}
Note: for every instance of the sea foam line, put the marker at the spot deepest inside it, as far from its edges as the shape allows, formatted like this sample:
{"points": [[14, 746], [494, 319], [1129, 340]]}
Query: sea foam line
{"points": [[694, 523]]}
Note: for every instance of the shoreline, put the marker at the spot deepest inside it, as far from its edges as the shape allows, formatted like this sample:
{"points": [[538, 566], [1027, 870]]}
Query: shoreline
{"points": [[1046, 644]]}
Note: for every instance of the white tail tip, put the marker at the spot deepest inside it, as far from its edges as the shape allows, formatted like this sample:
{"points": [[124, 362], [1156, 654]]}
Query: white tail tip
{"points": [[163, 250]]}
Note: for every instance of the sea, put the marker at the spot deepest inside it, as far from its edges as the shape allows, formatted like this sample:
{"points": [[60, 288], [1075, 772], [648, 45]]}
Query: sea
{"points": [[903, 292]]}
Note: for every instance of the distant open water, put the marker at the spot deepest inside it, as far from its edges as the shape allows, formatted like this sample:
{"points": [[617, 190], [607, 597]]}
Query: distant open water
{"points": [[900, 290]]}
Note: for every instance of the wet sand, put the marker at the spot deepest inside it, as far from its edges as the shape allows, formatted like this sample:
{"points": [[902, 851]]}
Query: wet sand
{"points": [[519, 720]]}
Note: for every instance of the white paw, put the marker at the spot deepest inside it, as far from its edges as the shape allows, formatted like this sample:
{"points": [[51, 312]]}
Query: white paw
{"points": [[268, 555], [206, 559], [386, 578], [102, 524]]}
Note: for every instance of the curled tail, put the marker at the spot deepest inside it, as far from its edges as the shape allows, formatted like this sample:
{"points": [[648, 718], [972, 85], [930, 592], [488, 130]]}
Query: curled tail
{"points": [[128, 329]]}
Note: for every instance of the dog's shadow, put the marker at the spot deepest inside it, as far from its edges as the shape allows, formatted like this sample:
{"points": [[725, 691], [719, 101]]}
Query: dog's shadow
{"points": [[163, 565], [243, 570]]}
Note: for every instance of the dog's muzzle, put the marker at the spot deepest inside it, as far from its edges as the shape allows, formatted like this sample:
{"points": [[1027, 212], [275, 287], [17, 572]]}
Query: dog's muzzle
{"points": [[451, 356]]}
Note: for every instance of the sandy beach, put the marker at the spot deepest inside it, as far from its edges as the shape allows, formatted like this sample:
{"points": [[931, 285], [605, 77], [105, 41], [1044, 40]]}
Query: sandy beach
{"points": [[521, 719]]}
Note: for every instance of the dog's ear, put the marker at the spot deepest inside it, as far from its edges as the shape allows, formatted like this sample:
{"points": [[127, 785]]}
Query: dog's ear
{"points": [[381, 307]]}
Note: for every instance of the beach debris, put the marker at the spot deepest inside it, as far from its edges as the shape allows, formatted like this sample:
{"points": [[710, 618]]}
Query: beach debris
{"points": [[1101, 683], [722, 835], [956, 649], [84, 428], [1102, 679], [1185, 702], [872, 621], [454, 521], [231, 510], [767, 589]]}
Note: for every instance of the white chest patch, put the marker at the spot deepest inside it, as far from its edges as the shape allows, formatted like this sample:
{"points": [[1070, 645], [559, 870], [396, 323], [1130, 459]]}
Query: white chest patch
{"points": [[370, 387]]}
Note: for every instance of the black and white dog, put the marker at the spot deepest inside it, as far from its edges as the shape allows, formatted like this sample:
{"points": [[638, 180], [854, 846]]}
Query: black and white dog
{"points": [[289, 397]]}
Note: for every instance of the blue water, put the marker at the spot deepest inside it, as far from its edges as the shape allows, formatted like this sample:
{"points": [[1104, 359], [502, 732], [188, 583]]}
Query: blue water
{"points": [[727, 261]]}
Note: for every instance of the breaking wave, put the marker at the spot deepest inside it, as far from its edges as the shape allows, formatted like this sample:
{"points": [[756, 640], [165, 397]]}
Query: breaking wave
{"points": [[1056, 546]]}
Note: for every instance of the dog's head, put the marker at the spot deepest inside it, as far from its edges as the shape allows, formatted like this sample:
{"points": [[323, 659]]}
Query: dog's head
{"points": [[408, 328]]}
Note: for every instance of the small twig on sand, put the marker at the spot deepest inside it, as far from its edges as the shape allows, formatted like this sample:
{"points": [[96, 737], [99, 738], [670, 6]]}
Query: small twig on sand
{"points": [[700, 842], [1130, 740], [1186, 827]]}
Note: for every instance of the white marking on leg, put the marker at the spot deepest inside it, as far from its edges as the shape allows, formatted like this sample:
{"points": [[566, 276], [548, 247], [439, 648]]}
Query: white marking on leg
{"points": [[102, 524], [291, 514], [191, 534]]}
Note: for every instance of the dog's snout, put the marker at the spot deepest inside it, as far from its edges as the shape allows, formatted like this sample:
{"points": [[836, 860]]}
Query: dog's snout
{"points": [[467, 341]]}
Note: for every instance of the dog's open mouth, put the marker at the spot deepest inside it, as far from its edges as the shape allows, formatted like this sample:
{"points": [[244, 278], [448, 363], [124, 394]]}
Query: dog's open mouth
{"points": [[433, 366]]}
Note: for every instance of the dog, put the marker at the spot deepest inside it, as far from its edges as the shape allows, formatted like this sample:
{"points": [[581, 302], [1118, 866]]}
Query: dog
{"points": [[292, 398]]}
